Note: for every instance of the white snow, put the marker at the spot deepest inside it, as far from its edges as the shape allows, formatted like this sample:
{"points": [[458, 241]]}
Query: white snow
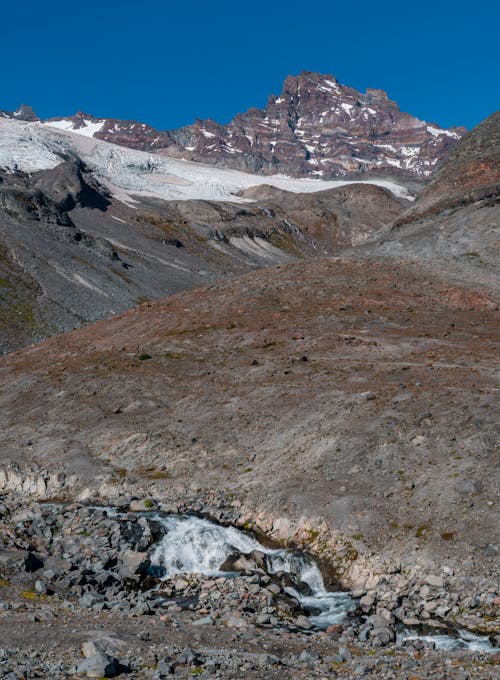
{"points": [[280, 100], [128, 173], [347, 107], [437, 132], [332, 84], [22, 149], [89, 130], [206, 133]]}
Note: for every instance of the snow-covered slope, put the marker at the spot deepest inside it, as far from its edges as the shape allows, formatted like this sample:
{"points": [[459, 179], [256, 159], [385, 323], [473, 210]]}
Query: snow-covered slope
{"points": [[34, 146]]}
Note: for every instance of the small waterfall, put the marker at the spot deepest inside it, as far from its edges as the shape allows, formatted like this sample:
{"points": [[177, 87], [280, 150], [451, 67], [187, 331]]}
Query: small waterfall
{"points": [[194, 545]]}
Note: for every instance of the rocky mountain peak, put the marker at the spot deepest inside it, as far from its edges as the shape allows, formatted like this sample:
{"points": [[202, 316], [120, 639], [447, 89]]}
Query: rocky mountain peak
{"points": [[319, 127], [315, 127], [24, 112]]}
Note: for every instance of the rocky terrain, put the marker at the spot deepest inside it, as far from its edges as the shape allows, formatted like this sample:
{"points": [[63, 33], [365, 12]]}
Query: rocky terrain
{"points": [[316, 127], [88, 229], [454, 225], [91, 572], [342, 407]]}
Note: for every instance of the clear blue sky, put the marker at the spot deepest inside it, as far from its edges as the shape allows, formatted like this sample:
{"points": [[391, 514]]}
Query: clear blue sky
{"points": [[167, 63]]}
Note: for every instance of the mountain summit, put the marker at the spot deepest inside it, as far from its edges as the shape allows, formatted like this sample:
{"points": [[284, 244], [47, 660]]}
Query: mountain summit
{"points": [[315, 127]]}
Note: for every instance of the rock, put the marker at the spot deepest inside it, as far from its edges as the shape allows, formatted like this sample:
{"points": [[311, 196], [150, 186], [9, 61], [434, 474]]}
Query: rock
{"points": [[345, 653], [302, 99], [165, 668], [274, 588], [189, 657], [303, 622], [143, 505], [133, 564], [434, 581], [90, 599], [384, 635], [205, 621], [411, 621], [306, 655], [98, 664], [366, 603], [235, 622], [40, 587], [238, 562]]}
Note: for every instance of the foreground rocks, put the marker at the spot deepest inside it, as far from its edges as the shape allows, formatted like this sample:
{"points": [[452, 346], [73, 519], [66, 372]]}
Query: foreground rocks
{"points": [[67, 569]]}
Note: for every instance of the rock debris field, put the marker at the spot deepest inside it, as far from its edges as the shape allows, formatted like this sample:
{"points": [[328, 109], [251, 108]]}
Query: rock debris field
{"points": [[81, 595]]}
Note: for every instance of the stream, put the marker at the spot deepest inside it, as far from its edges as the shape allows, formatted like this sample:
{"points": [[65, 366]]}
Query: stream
{"points": [[195, 545]]}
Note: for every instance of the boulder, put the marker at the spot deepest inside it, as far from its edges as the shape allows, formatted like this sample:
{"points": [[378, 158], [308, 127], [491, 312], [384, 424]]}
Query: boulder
{"points": [[133, 564]]}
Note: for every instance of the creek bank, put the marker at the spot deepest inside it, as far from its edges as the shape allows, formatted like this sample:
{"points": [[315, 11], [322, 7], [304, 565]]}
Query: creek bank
{"points": [[103, 560]]}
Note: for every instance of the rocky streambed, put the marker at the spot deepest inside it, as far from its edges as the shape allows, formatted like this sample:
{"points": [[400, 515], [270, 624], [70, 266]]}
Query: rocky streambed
{"points": [[135, 590]]}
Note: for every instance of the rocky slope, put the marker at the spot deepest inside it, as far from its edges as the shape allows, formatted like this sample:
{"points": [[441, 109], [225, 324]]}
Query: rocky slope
{"points": [[315, 127], [86, 231], [346, 406], [454, 224]]}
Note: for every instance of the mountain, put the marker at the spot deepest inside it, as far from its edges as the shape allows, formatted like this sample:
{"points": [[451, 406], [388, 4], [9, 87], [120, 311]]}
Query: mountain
{"points": [[316, 127], [347, 404], [89, 229], [454, 222], [24, 112]]}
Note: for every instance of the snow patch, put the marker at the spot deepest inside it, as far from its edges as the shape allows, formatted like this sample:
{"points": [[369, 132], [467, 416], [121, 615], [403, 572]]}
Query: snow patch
{"points": [[88, 130], [438, 132]]}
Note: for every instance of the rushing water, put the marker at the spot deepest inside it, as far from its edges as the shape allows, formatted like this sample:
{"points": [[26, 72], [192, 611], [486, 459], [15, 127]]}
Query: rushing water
{"points": [[194, 545], [462, 640]]}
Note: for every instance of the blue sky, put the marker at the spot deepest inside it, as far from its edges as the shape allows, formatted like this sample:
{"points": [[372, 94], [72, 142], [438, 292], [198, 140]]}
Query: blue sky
{"points": [[167, 63]]}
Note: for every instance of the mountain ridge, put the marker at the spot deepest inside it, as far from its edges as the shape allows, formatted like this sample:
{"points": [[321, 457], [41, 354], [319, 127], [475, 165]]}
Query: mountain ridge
{"points": [[316, 127]]}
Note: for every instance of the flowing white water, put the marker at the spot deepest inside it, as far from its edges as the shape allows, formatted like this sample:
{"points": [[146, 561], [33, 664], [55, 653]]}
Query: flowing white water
{"points": [[463, 640], [194, 545]]}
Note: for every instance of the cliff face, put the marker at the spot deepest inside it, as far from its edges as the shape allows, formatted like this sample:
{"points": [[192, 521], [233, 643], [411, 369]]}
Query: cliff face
{"points": [[315, 127], [321, 128]]}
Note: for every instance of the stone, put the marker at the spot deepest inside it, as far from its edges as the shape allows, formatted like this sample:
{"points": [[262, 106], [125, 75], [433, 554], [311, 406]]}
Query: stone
{"points": [[188, 657], [143, 505], [205, 621], [100, 666], [90, 599], [384, 635], [165, 668], [366, 603], [97, 663], [235, 622], [434, 581], [133, 563], [303, 622], [40, 587]]}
